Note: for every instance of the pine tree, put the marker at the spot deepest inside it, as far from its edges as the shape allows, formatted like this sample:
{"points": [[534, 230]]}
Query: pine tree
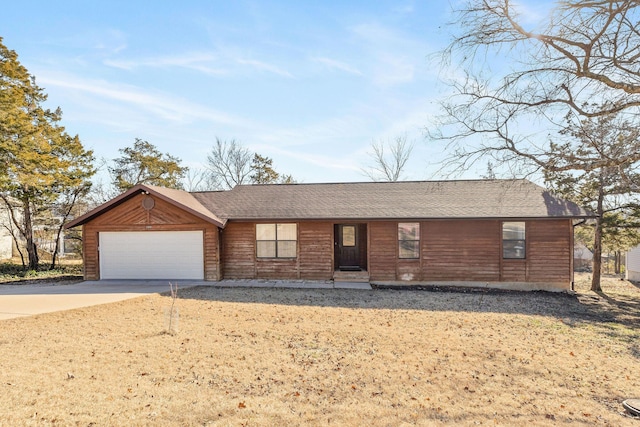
{"points": [[596, 163], [39, 161], [145, 164], [262, 170]]}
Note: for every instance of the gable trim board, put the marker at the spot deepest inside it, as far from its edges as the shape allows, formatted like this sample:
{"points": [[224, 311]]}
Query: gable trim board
{"points": [[460, 227]]}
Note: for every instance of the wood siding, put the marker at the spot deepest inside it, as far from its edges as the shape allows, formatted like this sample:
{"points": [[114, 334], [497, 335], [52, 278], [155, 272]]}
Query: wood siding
{"points": [[383, 250], [315, 246], [550, 251], [239, 251], [471, 251], [450, 250], [461, 250], [131, 216], [314, 260]]}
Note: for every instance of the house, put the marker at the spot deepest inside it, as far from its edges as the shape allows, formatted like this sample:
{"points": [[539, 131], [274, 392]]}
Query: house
{"points": [[632, 271], [6, 238], [582, 257], [503, 233]]}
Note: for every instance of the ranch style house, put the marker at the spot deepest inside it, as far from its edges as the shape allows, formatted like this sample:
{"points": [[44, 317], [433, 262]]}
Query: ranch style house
{"points": [[491, 233]]}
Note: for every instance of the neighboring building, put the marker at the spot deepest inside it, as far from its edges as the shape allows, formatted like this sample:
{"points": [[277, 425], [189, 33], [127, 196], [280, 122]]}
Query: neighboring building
{"points": [[6, 240], [582, 257], [503, 233], [632, 271]]}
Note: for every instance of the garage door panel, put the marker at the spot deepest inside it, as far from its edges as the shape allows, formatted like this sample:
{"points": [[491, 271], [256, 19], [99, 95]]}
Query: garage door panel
{"points": [[152, 255]]}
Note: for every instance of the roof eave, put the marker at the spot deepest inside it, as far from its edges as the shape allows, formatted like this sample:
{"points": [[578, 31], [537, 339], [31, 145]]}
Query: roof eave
{"points": [[140, 188], [407, 218]]}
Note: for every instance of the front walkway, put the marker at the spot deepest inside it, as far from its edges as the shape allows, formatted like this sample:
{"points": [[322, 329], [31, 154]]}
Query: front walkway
{"points": [[242, 283], [289, 284]]}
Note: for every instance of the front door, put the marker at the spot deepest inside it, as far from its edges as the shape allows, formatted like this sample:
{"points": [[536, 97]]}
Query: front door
{"points": [[350, 247]]}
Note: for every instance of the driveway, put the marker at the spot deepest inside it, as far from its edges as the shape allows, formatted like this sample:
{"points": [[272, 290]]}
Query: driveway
{"points": [[27, 300]]}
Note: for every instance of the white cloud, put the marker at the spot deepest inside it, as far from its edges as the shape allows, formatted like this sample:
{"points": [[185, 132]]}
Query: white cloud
{"points": [[198, 61], [394, 69], [114, 41], [534, 14], [394, 56], [161, 105], [322, 160], [219, 63], [332, 64], [263, 66], [405, 9]]}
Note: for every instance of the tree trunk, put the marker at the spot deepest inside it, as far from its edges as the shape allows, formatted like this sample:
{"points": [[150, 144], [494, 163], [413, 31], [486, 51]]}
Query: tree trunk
{"points": [[71, 203], [32, 250], [597, 243], [597, 258], [54, 255], [17, 243]]}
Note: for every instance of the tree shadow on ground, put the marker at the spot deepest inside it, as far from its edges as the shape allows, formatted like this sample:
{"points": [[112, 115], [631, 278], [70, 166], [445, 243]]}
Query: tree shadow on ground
{"points": [[620, 309]]}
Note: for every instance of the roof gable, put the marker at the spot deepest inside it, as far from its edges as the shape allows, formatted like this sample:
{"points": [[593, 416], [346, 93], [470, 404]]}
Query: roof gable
{"points": [[178, 198]]}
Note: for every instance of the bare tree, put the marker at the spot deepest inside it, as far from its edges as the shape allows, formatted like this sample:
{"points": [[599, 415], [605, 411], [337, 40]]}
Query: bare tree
{"points": [[200, 180], [229, 163], [65, 206], [581, 63], [388, 159]]}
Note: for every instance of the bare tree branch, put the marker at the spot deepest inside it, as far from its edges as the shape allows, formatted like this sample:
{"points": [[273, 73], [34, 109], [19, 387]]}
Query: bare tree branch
{"points": [[229, 163], [388, 165], [564, 102]]}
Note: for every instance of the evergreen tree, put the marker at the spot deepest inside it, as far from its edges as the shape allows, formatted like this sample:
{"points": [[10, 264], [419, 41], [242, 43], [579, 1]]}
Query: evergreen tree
{"points": [[145, 164], [262, 170], [39, 161], [597, 165]]}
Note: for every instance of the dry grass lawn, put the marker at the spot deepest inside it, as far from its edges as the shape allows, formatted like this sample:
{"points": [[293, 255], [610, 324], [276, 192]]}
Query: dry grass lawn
{"points": [[256, 357]]}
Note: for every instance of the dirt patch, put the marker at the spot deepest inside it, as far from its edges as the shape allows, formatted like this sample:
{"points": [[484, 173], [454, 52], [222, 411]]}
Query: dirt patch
{"points": [[336, 357]]}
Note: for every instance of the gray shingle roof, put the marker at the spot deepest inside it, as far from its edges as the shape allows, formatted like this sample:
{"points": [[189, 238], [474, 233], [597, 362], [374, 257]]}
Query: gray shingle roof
{"points": [[361, 201], [390, 200]]}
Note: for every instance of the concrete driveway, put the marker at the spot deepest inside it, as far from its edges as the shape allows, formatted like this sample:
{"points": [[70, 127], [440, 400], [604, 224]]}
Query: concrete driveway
{"points": [[27, 300]]}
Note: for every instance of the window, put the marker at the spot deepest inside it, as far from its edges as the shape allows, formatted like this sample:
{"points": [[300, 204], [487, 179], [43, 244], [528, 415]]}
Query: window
{"points": [[276, 240], [513, 240], [409, 240], [348, 236]]}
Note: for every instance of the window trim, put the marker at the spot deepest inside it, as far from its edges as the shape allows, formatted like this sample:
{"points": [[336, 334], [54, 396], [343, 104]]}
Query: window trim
{"points": [[417, 239], [523, 240], [276, 241]]}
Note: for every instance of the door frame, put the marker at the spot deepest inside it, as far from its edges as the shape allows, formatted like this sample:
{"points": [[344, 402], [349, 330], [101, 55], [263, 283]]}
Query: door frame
{"points": [[361, 247]]}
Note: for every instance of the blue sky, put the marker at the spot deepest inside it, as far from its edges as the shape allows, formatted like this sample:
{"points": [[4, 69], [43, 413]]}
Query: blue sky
{"points": [[309, 84]]}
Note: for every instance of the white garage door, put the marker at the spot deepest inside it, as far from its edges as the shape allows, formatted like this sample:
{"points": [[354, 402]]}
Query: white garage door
{"points": [[151, 255]]}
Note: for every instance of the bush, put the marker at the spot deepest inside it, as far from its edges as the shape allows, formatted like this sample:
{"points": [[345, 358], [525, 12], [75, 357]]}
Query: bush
{"points": [[11, 272]]}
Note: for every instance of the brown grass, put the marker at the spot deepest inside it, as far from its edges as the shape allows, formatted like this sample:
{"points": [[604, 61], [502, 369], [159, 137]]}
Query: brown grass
{"points": [[328, 357]]}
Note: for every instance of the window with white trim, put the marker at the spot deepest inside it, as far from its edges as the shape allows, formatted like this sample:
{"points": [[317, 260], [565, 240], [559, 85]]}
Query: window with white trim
{"points": [[514, 241], [276, 240], [408, 240]]}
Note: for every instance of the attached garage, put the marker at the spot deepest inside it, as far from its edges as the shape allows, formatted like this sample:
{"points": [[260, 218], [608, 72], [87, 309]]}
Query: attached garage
{"points": [[151, 255]]}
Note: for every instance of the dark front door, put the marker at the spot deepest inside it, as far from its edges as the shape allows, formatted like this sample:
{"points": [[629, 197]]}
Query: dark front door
{"points": [[350, 247]]}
